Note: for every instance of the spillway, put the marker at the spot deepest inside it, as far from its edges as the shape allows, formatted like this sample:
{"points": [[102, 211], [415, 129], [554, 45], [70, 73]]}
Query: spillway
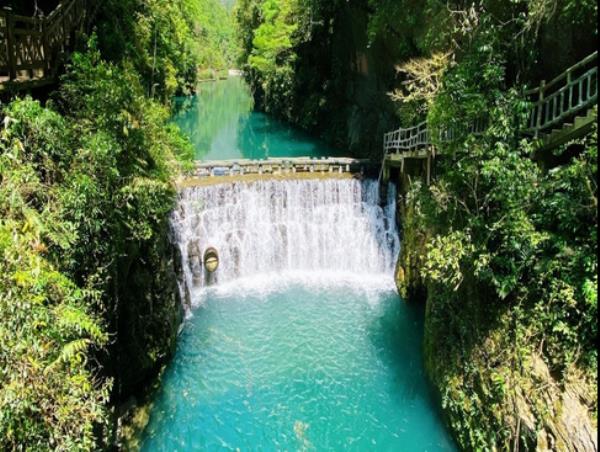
{"points": [[324, 226]]}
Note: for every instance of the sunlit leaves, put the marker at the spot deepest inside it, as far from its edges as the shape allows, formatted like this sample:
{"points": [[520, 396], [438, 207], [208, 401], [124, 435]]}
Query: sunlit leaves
{"points": [[79, 188], [167, 42]]}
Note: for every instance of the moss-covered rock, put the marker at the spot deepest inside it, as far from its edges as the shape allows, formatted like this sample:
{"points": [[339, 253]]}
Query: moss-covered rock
{"points": [[150, 313], [408, 277], [497, 391]]}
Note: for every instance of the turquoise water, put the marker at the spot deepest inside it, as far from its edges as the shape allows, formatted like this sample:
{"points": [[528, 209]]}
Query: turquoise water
{"points": [[303, 343], [298, 365], [222, 125]]}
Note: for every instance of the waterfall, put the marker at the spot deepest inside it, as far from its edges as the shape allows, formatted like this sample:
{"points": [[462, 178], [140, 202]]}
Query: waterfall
{"points": [[275, 227]]}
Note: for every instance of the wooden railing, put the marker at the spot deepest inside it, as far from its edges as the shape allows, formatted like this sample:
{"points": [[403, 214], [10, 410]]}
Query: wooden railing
{"points": [[419, 137], [552, 104], [574, 90], [409, 139], [32, 47]]}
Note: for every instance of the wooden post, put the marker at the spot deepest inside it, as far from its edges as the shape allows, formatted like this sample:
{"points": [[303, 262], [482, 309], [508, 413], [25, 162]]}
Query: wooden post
{"points": [[569, 81], [386, 174], [82, 8], [428, 168], [10, 43], [540, 112], [46, 47], [383, 183], [34, 28]]}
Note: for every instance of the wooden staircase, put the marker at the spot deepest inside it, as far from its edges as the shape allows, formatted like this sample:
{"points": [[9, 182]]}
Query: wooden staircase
{"points": [[579, 127]]}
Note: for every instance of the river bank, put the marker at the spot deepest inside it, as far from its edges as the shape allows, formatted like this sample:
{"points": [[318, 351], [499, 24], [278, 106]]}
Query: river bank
{"points": [[500, 249]]}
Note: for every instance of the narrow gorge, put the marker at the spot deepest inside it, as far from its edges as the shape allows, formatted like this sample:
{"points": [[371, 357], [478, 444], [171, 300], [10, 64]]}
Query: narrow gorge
{"points": [[298, 225], [295, 333]]}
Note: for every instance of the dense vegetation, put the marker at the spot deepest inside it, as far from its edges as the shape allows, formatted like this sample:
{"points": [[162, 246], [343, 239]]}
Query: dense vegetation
{"points": [[509, 261], [328, 66], [301, 58], [79, 190], [504, 251], [170, 44], [88, 296]]}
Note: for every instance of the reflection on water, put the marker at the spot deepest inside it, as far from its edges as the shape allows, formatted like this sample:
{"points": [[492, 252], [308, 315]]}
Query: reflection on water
{"points": [[221, 123]]}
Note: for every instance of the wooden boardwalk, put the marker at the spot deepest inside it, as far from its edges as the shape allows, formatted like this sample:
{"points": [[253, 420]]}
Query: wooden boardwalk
{"points": [[32, 49], [561, 110]]}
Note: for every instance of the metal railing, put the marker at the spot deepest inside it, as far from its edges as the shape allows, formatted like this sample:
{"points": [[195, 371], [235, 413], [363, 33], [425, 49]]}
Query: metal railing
{"points": [[419, 136], [410, 139], [574, 90]]}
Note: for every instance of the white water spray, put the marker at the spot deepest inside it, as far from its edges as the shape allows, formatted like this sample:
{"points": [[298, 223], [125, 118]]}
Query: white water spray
{"points": [[293, 226]]}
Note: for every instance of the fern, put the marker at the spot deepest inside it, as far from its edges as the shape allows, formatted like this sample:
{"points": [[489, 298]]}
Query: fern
{"points": [[71, 318], [71, 352]]}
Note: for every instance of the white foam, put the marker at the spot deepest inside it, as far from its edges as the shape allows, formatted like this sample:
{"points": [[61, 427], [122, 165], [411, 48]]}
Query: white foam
{"points": [[274, 233], [261, 286]]}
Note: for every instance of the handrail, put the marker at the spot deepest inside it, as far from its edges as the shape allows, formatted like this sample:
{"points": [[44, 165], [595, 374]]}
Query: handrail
{"points": [[35, 44], [407, 139], [575, 95], [55, 12], [419, 136], [548, 110], [555, 80], [19, 18]]}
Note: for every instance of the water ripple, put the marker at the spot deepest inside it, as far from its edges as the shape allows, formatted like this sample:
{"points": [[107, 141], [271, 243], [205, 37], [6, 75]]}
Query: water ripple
{"points": [[298, 365]]}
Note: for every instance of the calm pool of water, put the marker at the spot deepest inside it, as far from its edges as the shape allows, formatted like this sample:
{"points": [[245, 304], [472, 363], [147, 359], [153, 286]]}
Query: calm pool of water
{"points": [[298, 366], [222, 125]]}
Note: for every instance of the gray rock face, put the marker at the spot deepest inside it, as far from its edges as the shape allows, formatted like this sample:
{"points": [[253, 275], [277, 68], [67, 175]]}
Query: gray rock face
{"points": [[195, 261], [568, 424]]}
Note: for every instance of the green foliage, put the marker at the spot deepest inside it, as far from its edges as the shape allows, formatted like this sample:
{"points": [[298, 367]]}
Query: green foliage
{"points": [[86, 276], [509, 257], [269, 34], [167, 42], [417, 25], [247, 14], [528, 229], [49, 395], [85, 193], [272, 43], [567, 274], [327, 66]]}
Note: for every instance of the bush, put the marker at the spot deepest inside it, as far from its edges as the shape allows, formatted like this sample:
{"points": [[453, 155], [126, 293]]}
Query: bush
{"points": [[166, 42], [85, 192], [50, 393]]}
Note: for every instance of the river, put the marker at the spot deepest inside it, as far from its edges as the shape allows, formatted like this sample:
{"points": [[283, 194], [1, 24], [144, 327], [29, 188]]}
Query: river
{"points": [[299, 341], [222, 125]]}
